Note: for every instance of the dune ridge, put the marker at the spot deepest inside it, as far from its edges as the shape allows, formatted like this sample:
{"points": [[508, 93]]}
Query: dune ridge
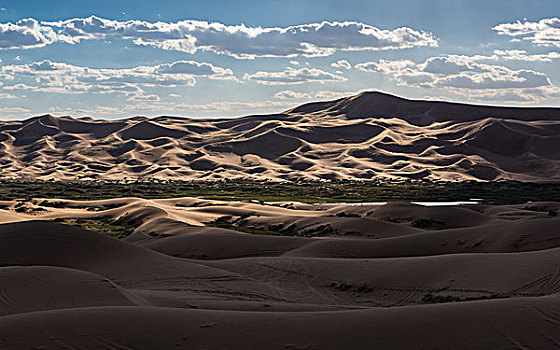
{"points": [[371, 135]]}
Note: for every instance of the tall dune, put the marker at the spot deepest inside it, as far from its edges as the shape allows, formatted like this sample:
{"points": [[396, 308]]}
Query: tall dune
{"points": [[359, 137]]}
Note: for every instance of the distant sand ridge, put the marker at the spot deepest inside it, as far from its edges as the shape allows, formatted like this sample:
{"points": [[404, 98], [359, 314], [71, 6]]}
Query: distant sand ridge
{"points": [[360, 137]]}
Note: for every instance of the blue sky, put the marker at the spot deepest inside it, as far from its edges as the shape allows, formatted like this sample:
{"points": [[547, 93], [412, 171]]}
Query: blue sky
{"points": [[115, 59]]}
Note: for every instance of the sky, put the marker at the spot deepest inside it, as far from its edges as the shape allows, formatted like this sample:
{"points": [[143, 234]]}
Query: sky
{"points": [[212, 58]]}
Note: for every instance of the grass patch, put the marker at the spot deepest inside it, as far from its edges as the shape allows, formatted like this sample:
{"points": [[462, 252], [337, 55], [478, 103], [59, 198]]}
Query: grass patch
{"points": [[344, 215], [345, 287], [227, 222], [436, 299], [115, 228], [230, 223], [427, 223], [104, 207], [160, 235], [28, 210], [549, 211], [58, 205]]}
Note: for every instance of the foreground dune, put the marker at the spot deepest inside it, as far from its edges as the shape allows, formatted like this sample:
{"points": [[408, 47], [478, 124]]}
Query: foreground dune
{"points": [[371, 135], [311, 276]]}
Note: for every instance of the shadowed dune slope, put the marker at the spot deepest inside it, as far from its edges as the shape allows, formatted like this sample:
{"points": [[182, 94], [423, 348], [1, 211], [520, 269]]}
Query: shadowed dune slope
{"points": [[340, 277], [485, 325], [380, 104], [359, 137], [37, 288]]}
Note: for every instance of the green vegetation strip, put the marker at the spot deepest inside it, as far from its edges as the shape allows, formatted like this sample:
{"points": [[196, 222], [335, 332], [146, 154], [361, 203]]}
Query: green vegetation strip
{"points": [[500, 192]]}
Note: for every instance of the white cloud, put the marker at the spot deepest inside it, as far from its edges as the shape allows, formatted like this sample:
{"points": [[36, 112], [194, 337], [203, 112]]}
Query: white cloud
{"points": [[50, 76], [384, 66], [193, 68], [524, 96], [8, 113], [437, 98], [197, 69], [521, 55], [468, 76], [495, 77], [294, 76], [25, 34], [341, 64], [19, 87], [453, 63], [241, 107], [322, 94], [331, 95], [289, 94], [458, 71], [14, 110], [545, 32], [240, 41], [81, 112], [148, 98]]}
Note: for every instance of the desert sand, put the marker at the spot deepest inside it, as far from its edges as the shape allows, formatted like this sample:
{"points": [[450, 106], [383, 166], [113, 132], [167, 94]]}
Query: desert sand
{"points": [[398, 275], [195, 273], [371, 135]]}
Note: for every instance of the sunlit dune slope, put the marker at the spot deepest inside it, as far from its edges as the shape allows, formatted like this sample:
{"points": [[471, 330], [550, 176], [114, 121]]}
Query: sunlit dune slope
{"points": [[360, 137]]}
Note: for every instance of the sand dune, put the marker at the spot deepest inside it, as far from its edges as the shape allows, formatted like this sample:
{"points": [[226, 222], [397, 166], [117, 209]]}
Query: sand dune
{"points": [[194, 273], [444, 276], [360, 137], [419, 112]]}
